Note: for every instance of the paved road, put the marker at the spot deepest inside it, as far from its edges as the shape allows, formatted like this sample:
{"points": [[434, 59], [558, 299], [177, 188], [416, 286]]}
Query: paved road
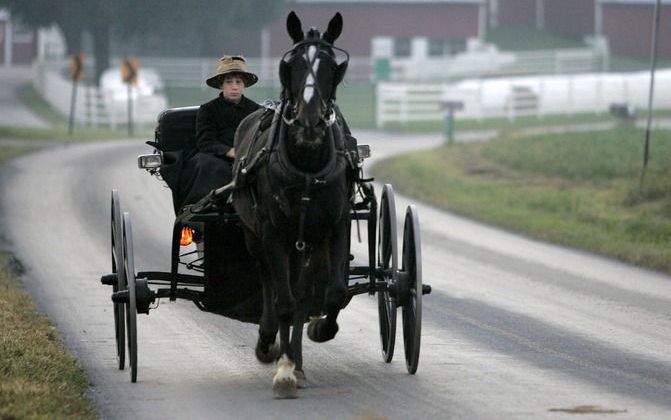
{"points": [[514, 329], [13, 112]]}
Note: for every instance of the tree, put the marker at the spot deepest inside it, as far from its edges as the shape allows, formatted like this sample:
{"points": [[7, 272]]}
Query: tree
{"points": [[200, 24]]}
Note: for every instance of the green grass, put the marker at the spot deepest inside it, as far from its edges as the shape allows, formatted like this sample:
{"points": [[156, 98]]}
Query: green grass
{"points": [[59, 124], [357, 102], [7, 152], [520, 123], [580, 190], [38, 377]]}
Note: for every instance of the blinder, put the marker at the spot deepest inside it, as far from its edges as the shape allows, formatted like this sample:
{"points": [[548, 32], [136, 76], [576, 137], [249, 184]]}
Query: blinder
{"points": [[286, 62]]}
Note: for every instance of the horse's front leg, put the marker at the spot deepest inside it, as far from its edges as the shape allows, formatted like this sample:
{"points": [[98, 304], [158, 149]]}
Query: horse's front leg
{"points": [[325, 329], [267, 350], [301, 277], [284, 382]]}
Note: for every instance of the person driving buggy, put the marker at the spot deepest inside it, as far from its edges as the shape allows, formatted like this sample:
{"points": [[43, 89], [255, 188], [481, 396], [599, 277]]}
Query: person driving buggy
{"points": [[216, 122], [218, 119]]}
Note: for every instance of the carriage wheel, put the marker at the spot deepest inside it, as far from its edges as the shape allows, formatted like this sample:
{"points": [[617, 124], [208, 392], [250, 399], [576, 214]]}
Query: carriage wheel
{"points": [[117, 261], [131, 308], [410, 285], [388, 263]]}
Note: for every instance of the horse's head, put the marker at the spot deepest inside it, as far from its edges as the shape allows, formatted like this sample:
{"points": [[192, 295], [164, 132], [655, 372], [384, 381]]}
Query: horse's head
{"points": [[310, 73]]}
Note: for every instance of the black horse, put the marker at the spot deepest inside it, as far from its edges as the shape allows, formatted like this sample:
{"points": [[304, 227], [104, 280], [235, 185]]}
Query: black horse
{"points": [[293, 189]]}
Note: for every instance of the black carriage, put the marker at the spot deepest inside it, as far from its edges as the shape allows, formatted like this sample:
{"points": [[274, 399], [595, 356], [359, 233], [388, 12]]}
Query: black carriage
{"points": [[219, 260], [220, 275]]}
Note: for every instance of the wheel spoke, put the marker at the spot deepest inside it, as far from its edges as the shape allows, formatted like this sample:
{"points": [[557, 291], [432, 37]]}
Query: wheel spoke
{"points": [[412, 289], [117, 268], [388, 263], [131, 306]]}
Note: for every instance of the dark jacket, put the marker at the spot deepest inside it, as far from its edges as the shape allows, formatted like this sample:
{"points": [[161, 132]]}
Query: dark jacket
{"points": [[217, 121]]}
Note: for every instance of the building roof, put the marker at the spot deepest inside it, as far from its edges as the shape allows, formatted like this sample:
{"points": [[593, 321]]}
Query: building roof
{"points": [[635, 2], [393, 1]]}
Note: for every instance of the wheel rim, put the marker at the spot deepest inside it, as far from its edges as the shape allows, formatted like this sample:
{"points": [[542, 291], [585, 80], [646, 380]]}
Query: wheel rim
{"points": [[388, 262], [412, 279], [131, 308], [117, 256]]}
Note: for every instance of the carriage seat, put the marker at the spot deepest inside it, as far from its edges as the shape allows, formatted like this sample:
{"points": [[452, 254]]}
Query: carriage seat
{"points": [[176, 130]]}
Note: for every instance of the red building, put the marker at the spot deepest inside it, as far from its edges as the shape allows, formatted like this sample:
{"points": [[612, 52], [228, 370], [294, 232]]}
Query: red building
{"points": [[446, 20], [574, 18], [628, 26], [18, 44]]}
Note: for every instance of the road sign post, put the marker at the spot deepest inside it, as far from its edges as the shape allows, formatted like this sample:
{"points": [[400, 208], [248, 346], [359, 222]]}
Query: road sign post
{"points": [[129, 69], [449, 107], [76, 74]]}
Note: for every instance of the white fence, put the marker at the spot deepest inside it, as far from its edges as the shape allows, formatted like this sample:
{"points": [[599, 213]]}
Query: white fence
{"points": [[520, 96], [490, 63], [192, 72], [95, 106]]}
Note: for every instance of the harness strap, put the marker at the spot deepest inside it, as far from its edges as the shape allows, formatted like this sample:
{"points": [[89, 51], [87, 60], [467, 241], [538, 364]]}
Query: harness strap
{"points": [[305, 201]]}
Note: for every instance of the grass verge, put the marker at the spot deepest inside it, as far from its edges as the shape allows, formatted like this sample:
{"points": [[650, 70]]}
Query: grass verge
{"points": [[580, 189], [357, 101], [59, 124], [39, 378]]}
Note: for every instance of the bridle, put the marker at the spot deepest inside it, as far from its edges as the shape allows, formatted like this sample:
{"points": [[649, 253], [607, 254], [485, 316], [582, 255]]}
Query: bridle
{"points": [[329, 115]]}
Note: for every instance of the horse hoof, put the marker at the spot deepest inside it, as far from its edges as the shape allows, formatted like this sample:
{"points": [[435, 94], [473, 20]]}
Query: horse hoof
{"points": [[284, 382], [267, 357], [319, 333], [301, 381], [285, 389]]}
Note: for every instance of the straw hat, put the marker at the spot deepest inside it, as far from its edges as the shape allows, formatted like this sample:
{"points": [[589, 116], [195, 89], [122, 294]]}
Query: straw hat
{"points": [[231, 64]]}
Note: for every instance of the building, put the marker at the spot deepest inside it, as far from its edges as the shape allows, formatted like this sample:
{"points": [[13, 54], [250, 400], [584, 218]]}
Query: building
{"points": [[574, 18], [628, 26], [18, 44], [446, 23]]}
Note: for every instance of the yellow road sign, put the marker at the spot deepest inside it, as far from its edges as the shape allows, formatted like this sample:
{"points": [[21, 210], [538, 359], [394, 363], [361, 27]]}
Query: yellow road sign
{"points": [[77, 66], [129, 69]]}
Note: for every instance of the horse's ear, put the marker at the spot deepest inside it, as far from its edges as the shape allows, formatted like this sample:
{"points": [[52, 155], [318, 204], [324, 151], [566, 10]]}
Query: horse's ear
{"points": [[294, 27], [334, 29]]}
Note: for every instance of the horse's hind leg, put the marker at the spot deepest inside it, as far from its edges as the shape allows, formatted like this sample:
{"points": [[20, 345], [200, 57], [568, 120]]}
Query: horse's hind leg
{"points": [[267, 350], [325, 329]]}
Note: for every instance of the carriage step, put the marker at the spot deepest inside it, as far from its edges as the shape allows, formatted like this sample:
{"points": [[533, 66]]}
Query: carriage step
{"points": [[109, 279], [426, 289]]}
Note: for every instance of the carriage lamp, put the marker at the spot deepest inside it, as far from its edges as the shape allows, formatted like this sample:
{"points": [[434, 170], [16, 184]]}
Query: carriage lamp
{"points": [[187, 236], [152, 161], [363, 150]]}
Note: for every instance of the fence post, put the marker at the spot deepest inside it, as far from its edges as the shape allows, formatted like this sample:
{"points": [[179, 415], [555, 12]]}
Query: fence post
{"points": [[379, 95], [403, 109], [599, 94], [570, 95], [539, 98], [481, 110], [625, 89]]}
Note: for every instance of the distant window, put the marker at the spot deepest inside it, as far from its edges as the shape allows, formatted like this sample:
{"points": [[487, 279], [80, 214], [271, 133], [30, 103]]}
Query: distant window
{"points": [[457, 46], [402, 47], [437, 47], [22, 34]]}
